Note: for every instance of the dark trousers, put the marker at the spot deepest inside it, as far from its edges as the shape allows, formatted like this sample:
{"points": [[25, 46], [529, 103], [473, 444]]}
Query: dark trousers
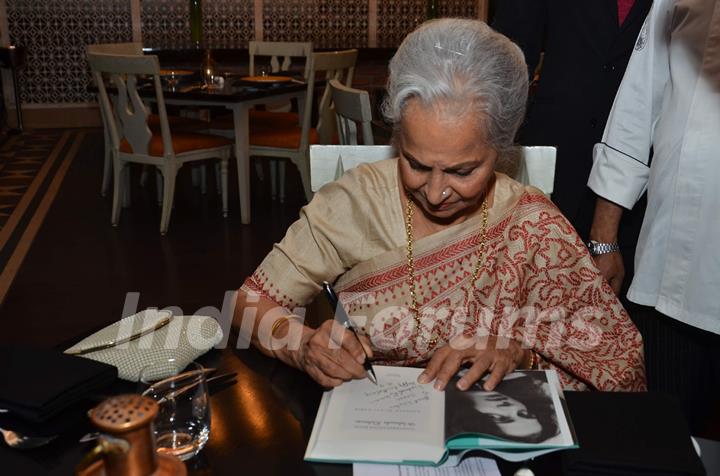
{"points": [[683, 361]]}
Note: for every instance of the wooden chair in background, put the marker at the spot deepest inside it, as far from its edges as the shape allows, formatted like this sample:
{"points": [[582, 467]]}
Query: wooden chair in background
{"points": [[130, 49], [288, 134], [132, 138], [177, 122], [282, 56], [352, 111]]}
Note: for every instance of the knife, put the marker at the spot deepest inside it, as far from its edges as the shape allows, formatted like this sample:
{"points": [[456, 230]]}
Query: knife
{"points": [[162, 323]]}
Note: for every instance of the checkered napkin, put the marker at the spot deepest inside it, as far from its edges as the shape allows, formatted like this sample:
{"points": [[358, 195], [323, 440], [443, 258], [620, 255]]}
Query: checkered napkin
{"points": [[184, 339]]}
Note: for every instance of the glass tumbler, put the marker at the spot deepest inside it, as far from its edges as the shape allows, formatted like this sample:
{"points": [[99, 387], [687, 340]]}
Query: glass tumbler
{"points": [[182, 426]]}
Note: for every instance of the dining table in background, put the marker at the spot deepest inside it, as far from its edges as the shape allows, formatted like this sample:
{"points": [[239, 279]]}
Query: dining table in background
{"points": [[239, 97]]}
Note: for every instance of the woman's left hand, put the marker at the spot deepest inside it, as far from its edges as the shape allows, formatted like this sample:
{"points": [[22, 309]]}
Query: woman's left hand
{"points": [[499, 356]]}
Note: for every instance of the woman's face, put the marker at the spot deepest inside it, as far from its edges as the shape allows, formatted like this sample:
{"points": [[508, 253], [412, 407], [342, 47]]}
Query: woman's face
{"points": [[511, 416], [441, 152]]}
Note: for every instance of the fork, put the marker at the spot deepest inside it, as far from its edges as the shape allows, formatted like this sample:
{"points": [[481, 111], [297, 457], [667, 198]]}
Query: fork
{"points": [[21, 442]]}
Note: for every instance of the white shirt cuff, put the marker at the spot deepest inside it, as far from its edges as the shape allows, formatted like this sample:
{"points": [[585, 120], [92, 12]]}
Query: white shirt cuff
{"points": [[618, 177]]}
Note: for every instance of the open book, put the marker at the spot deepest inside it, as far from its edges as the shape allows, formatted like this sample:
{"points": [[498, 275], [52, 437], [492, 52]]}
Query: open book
{"points": [[401, 421]]}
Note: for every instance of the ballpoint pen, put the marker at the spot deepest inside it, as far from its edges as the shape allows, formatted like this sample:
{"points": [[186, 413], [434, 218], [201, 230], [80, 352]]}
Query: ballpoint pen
{"points": [[342, 317], [159, 325]]}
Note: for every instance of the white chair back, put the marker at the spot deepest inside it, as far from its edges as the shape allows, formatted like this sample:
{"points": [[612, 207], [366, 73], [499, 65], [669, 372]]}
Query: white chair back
{"points": [[537, 167], [337, 65], [128, 121], [329, 162], [111, 49], [129, 118], [281, 53], [352, 109]]}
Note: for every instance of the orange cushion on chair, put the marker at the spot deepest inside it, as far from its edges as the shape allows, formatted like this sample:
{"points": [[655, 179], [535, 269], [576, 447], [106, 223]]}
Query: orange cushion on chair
{"points": [[258, 119], [277, 129], [266, 125], [264, 119], [271, 129], [182, 142], [286, 138]]}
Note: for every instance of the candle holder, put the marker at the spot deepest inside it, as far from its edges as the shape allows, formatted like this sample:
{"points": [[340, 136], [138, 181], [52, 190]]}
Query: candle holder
{"points": [[208, 69]]}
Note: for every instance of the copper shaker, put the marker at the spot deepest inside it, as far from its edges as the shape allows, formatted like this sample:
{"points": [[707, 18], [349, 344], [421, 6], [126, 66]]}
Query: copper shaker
{"points": [[127, 445]]}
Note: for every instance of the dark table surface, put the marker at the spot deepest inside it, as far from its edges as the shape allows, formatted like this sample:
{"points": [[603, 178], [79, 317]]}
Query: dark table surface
{"points": [[261, 425], [234, 90]]}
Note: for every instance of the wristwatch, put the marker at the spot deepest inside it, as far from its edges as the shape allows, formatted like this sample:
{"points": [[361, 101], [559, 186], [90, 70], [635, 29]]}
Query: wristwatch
{"points": [[596, 248]]}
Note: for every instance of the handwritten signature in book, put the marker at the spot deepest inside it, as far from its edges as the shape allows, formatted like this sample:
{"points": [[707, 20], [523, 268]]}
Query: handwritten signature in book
{"points": [[396, 395]]}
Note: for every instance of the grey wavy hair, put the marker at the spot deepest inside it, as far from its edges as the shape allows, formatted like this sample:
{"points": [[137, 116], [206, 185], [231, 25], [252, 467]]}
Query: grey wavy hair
{"points": [[463, 64]]}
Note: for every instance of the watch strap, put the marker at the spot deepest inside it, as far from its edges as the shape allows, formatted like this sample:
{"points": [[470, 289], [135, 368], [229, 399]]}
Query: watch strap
{"points": [[596, 248]]}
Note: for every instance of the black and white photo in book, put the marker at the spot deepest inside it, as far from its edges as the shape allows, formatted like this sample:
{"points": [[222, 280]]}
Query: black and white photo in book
{"points": [[522, 408], [402, 421]]}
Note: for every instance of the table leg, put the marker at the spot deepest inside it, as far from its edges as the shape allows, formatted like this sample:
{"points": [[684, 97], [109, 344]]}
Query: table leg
{"points": [[242, 157]]}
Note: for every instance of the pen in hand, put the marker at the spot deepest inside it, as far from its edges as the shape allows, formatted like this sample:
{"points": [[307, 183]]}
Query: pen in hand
{"points": [[342, 317]]}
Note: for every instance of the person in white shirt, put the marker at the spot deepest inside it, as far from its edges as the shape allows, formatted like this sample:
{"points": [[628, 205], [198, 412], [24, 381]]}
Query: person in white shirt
{"points": [[663, 136]]}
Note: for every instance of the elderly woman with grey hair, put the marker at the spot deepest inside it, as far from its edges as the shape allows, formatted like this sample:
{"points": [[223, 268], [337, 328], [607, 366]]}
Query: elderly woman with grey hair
{"points": [[442, 261]]}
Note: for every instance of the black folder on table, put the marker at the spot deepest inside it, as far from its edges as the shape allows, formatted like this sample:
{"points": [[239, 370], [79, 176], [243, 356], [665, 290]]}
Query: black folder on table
{"points": [[38, 384], [629, 434]]}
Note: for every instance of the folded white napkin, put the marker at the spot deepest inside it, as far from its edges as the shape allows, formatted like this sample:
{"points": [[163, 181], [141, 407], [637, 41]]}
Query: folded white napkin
{"points": [[184, 339]]}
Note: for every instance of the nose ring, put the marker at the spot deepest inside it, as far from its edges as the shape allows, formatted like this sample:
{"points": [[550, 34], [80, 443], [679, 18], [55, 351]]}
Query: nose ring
{"points": [[445, 193]]}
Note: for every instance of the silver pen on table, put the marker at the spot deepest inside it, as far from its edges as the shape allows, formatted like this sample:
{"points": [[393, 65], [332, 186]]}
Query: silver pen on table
{"points": [[160, 324], [344, 319]]}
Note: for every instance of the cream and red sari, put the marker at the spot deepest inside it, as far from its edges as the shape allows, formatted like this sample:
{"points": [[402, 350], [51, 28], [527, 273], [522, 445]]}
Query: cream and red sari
{"points": [[537, 283]]}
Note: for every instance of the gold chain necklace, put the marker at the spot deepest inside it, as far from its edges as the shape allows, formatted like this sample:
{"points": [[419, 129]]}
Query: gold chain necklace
{"points": [[409, 211]]}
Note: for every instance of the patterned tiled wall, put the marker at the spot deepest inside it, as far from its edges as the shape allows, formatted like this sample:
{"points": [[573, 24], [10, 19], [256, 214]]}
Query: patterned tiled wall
{"points": [[327, 23], [226, 23], [165, 23], [396, 18], [458, 8], [55, 33]]}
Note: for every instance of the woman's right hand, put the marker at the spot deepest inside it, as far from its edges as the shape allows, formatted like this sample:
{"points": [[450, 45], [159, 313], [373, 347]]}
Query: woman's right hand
{"points": [[612, 268], [331, 354]]}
